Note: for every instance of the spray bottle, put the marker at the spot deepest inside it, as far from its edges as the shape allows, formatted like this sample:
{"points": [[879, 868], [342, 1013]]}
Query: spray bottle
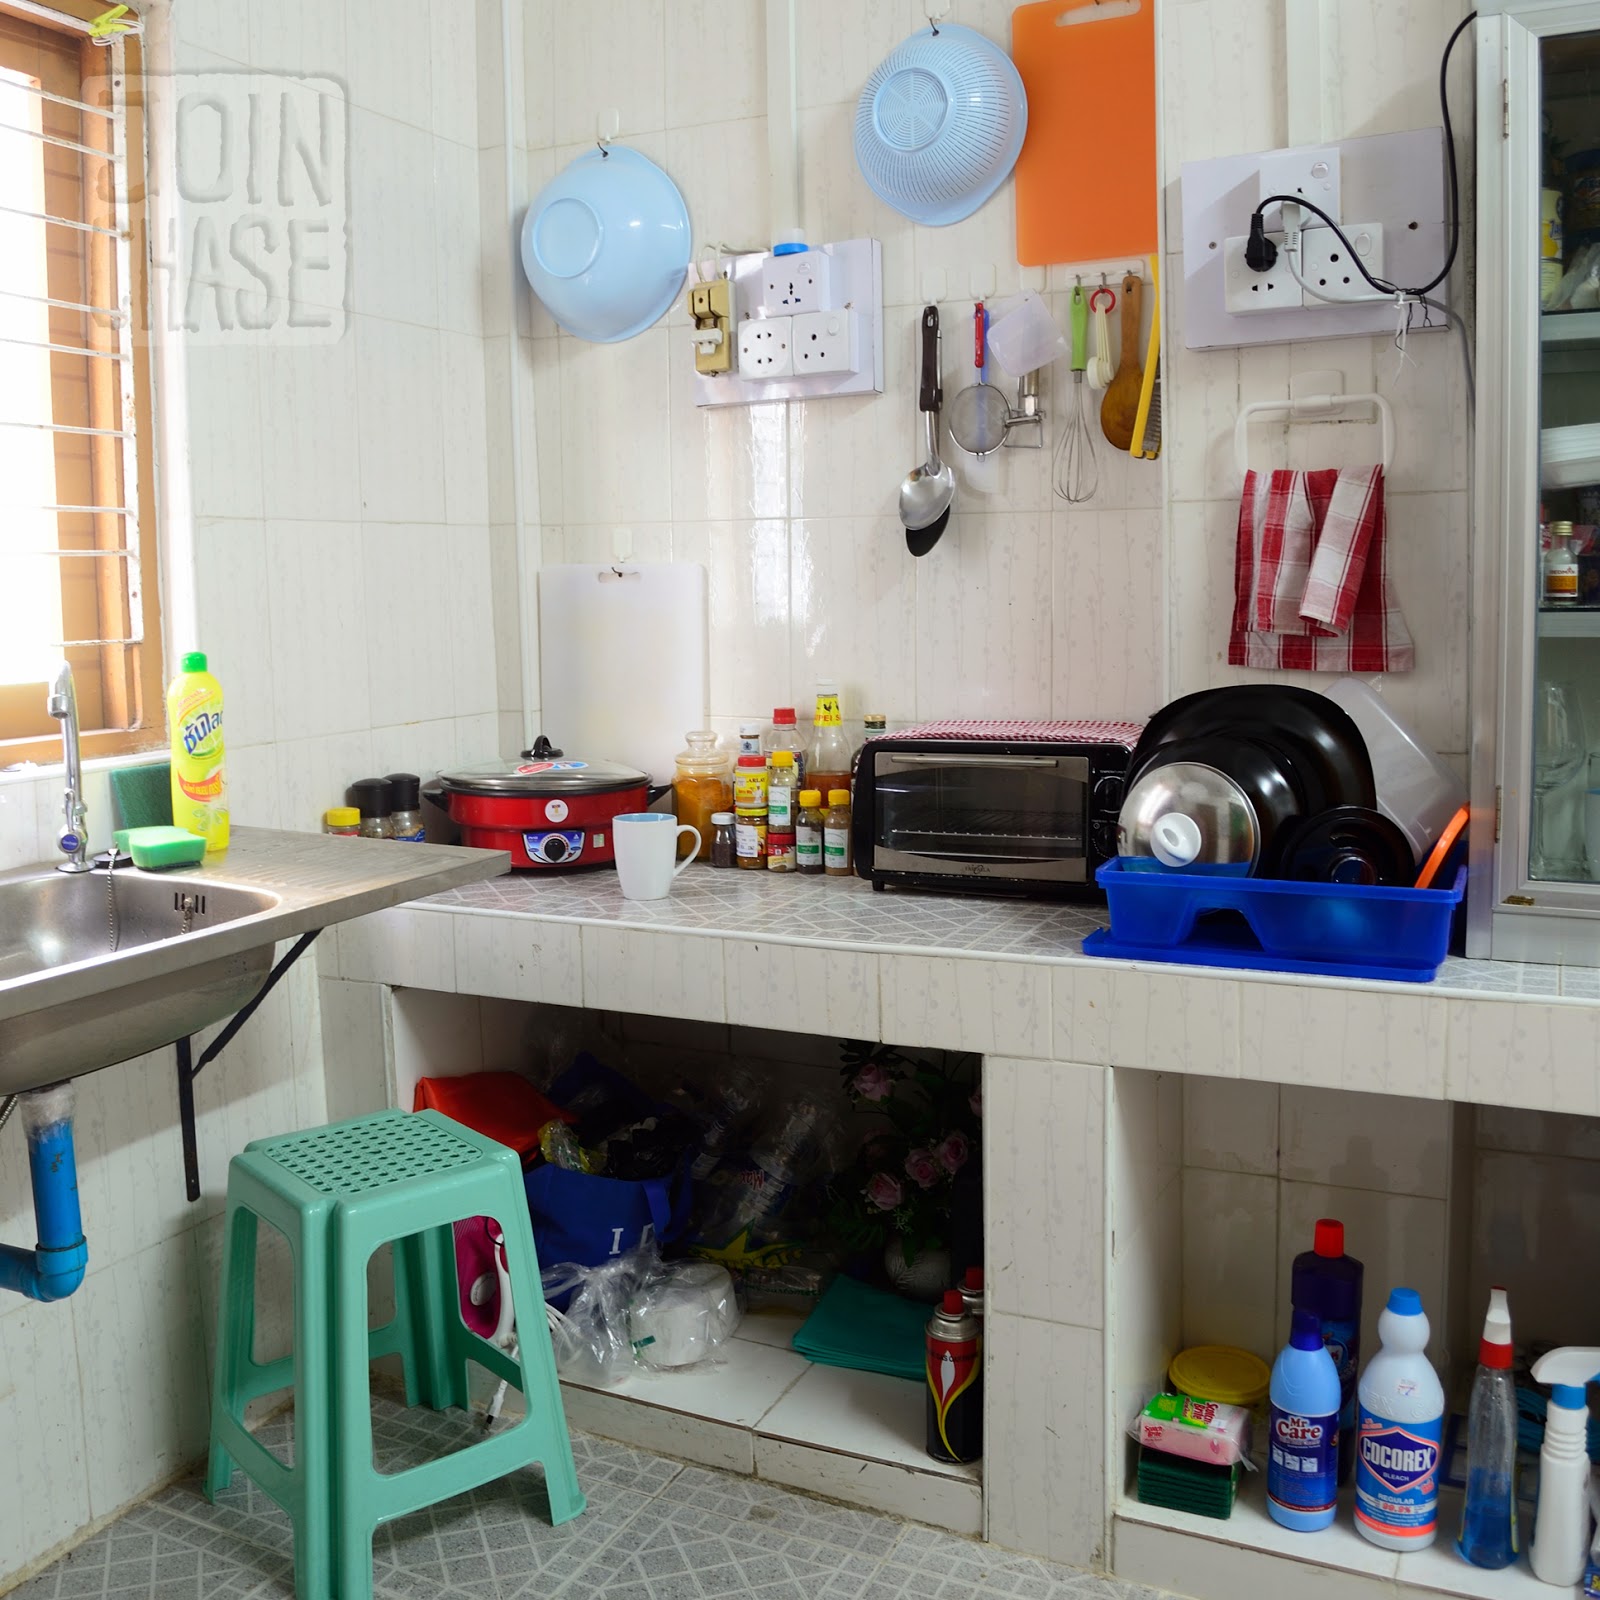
{"points": [[1561, 1527], [1488, 1536]]}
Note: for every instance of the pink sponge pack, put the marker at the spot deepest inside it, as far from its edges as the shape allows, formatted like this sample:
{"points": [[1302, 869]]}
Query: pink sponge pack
{"points": [[1199, 1430]]}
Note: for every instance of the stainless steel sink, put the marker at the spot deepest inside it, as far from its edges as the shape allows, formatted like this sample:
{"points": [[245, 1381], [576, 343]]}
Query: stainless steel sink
{"points": [[95, 972], [53, 922], [55, 918]]}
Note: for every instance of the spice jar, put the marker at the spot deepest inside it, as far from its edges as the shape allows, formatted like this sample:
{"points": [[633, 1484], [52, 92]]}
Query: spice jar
{"points": [[701, 787], [750, 811], [342, 821], [836, 835], [808, 832], [724, 848], [374, 799], [405, 808]]}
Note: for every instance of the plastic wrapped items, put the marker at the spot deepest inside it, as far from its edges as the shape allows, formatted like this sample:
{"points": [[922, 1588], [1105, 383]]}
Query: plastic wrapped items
{"points": [[681, 1313], [590, 1337], [1199, 1430]]}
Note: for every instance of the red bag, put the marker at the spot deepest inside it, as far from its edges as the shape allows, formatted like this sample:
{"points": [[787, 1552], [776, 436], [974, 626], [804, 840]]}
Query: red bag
{"points": [[501, 1105]]}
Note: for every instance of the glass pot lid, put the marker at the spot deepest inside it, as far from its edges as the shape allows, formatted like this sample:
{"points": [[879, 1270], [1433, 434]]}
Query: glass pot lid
{"points": [[543, 770]]}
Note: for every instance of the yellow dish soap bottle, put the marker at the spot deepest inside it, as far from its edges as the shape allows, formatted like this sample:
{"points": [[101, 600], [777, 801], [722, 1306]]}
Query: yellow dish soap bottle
{"points": [[199, 789]]}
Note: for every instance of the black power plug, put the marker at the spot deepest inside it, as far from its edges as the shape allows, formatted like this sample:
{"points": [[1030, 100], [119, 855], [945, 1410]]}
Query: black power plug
{"points": [[1260, 253]]}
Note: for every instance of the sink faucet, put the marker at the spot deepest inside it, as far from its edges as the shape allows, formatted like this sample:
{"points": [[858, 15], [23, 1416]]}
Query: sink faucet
{"points": [[73, 839]]}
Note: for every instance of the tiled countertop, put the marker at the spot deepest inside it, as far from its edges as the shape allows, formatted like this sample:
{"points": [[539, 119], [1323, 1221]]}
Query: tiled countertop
{"points": [[846, 913]]}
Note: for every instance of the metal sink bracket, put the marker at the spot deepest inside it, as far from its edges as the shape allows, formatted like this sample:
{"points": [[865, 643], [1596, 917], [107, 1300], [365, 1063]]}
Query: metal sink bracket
{"points": [[189, 1069]]}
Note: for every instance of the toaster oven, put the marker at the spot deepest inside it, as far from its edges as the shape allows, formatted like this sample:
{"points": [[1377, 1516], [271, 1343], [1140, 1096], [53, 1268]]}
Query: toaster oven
{"points": [[991, 807]]}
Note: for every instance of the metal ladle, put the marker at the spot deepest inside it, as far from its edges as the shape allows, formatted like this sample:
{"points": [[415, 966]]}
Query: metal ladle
{"points": [[927, 491]]}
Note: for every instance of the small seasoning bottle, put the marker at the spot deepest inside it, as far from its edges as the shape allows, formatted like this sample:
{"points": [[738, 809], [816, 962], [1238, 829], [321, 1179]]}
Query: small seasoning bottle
{"points": [[836, 859], [808, 832], [723, 844], [342, 821], [749, 738], [782, 786], [1560, 567], [874, 726], [372, 797], [750, 811], [405, 808]]}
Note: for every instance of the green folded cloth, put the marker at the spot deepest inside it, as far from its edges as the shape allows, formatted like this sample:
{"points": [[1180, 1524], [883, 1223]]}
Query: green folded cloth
{"points": [[867, 1329]]}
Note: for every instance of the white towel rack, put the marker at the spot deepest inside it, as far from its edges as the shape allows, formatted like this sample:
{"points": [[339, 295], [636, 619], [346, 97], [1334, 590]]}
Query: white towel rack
{"points": [[1312, 394]]}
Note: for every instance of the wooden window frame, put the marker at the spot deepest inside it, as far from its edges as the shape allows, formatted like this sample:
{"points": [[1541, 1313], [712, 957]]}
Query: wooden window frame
{"points": [[120, 686]]}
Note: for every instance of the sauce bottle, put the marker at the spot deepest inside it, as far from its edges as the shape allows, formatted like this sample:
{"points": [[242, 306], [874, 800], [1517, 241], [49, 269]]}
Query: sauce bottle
{"points": [[784, 734], [781, 790], [829, 759]]}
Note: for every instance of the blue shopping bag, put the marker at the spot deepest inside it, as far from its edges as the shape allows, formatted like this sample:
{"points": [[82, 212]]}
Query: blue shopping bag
{"points": [[582, 1217]]}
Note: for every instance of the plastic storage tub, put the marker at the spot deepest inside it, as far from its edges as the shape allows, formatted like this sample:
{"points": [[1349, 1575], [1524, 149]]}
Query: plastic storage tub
{"points": [[1344, 931]]}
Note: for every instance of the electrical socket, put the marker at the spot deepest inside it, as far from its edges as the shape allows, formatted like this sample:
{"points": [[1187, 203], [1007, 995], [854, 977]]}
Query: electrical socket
{"points": [[1325, 263], [825, 341], [1246, 291], [766, 347], [1309, 170], [795, 283]]}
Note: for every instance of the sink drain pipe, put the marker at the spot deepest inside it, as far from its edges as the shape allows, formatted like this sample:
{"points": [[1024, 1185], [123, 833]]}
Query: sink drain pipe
{"points": [[55, 1267]]}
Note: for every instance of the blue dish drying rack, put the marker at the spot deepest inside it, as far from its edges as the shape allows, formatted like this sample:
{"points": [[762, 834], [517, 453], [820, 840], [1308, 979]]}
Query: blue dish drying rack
{"points": [[1275, 925]]}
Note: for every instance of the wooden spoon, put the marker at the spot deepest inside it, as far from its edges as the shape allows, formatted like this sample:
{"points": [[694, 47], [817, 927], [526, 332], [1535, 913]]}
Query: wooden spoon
{"points": [[1119, 410]]}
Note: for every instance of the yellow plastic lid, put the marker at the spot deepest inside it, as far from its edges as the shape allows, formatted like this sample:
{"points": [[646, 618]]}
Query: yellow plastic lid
{"points": [[838, 797], [810, 799], [1220, 1372], [342, 817], [783, 758]]}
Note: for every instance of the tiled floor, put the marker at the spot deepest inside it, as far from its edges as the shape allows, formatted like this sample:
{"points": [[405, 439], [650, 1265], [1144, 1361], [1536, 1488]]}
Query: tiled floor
{"points": [[654, 1530]]}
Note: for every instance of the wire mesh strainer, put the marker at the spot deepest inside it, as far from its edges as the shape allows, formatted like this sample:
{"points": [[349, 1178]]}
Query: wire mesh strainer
{"points": [[940, 123]]}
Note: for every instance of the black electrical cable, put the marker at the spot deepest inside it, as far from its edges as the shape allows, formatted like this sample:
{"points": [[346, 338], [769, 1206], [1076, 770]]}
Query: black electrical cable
{"points": [[1455, 194]]}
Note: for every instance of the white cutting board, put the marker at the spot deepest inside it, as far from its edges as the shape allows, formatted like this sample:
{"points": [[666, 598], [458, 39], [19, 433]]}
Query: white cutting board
{"points": [[622, 660]]}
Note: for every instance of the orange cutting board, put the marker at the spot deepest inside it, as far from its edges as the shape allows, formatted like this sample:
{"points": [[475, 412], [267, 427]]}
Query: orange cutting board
{"points": [[1087, 187]]}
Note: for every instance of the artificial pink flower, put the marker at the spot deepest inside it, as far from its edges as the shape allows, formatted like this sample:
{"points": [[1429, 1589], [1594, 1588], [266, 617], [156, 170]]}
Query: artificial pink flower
{"points": [[953, 1152], [873, 1083], [884, 1192], [922, 1169], [976, 1101]]}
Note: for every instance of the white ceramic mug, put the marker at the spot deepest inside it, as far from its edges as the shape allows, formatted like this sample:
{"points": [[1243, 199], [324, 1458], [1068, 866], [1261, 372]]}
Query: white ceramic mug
{"points": [[646, 844]]}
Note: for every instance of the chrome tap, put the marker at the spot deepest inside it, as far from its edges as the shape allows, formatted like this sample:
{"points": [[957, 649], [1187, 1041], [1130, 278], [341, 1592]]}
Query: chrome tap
{"points": [[73, 839]]}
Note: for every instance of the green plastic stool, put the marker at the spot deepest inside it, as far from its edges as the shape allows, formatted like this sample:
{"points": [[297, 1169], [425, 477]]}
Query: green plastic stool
{"points": [[337, 1194]]}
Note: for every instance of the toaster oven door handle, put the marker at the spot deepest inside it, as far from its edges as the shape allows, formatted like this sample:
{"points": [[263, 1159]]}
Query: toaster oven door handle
{"points": [[903, 758]]}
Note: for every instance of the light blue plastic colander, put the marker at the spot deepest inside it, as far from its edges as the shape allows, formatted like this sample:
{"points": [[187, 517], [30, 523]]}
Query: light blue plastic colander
{"points": [[940, 124], [606, 244]]}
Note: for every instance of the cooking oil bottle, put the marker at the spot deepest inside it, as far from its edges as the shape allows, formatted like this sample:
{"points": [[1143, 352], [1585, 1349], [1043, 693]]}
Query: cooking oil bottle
{"points": [[199, 789]]}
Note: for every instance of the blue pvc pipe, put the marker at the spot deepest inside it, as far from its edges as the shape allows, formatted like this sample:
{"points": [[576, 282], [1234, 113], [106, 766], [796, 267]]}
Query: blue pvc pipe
{"points": [[55, 1267]]}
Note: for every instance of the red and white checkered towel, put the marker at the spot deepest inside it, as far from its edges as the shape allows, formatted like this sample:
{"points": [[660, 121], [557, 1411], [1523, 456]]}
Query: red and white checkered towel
{"points": [[1311, 586]]}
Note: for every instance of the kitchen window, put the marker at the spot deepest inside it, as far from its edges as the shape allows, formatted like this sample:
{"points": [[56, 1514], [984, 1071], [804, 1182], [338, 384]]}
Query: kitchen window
{"points": [[77, 527]]}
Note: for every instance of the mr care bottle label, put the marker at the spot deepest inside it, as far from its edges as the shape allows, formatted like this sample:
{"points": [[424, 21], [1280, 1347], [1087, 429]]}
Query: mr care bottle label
{"points": [[1397, 1475], [1303, 1460]]}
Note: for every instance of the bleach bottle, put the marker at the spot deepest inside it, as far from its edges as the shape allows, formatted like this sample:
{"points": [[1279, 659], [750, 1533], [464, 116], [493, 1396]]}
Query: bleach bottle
{"points": [[1303, 1450], [1327, 1282], [1401, 1406]]}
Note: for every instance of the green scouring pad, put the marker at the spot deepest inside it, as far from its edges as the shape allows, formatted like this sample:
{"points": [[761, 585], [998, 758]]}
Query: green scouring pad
{"points": [[1201, 1487], [157, 849], [143, 795]]}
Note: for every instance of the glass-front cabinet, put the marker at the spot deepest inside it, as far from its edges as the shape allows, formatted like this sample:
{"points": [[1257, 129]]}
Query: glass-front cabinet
{"points": [[1536, 778]]}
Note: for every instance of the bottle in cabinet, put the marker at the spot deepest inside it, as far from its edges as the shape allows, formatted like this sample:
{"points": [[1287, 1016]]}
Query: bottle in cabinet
{"points": [[701, 787], [829, 759]]}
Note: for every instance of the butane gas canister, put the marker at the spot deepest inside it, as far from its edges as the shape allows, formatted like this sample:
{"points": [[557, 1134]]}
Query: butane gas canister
{"points": [[955, 1382]]}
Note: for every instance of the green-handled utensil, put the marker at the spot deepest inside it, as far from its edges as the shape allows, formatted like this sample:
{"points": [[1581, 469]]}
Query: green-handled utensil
{"points": [[1077, 473]]}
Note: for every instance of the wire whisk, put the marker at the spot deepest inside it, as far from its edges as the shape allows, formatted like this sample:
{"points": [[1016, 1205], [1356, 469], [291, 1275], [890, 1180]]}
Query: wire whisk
{"points": [[1077, 471]]}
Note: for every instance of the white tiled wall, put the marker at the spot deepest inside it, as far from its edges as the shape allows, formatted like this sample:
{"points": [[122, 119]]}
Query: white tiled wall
{"points": [[1028, 606], [344, 575]]}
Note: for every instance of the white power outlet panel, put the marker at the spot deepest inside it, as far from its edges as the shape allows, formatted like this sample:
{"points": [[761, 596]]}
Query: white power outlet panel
{"points": [[845, 356], [1250, 293], [766, 347], [1394, 183], [795, 283], [1311, 171], [825, 341]]}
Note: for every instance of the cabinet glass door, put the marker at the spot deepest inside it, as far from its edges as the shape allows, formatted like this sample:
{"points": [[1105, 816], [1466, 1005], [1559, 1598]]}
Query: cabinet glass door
{"points": [[1564, 831]]}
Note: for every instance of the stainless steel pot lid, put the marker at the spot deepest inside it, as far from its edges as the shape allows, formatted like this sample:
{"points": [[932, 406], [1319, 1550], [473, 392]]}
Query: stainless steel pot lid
{"points": [[1187, 814], [543, 771]]}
